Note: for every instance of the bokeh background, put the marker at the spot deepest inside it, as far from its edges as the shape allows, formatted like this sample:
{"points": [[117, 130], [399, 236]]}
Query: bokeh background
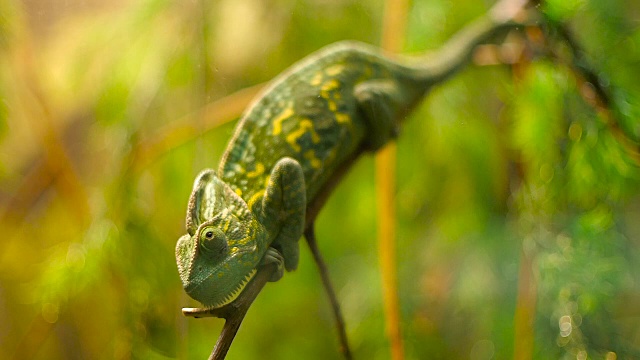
{"points": [[517, 205]]}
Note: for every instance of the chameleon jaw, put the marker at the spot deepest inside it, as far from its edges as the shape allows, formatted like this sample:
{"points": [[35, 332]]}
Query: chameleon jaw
{"points": [[236, 292]]}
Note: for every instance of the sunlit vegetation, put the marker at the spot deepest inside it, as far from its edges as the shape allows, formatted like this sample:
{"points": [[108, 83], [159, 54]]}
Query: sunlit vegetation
{"points": [[517, 197]]}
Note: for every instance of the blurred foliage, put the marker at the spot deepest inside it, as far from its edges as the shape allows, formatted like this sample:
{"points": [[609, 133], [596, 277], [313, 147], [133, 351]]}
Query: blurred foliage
{"points": [[513, 194]]}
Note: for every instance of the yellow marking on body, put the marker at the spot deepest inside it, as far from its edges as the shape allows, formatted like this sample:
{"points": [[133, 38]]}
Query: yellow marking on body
{"points": [[332, 105], [257, 172], [284, 115], [327, 89], [239, 191], [343, 118], [334, 69], [305, 126], [311, 156], [330, 85], [255, 198], [245, 240], [220, 274], [317, 79]]}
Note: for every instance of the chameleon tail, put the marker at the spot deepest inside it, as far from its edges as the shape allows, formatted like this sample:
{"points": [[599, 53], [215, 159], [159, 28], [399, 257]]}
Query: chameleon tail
{"points": [[458, 51]]}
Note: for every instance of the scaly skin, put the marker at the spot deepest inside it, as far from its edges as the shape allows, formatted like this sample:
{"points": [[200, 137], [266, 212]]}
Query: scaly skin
{"points": [[302, 131]]}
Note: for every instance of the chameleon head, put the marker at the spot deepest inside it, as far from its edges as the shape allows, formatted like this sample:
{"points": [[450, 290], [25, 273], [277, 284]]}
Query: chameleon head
{"points": [[224, 244]]}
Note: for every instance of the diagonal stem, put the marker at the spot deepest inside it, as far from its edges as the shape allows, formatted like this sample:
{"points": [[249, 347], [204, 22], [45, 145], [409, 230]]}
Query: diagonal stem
{"points": [[393, 35], [233, 313], [310, 235]]}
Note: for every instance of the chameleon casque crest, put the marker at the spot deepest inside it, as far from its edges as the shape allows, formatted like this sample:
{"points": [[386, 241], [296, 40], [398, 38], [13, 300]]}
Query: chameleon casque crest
{"points": [[291, 144]]}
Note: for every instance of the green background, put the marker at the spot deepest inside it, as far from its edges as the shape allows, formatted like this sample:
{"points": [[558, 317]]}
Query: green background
{"points": [[513, 196]]}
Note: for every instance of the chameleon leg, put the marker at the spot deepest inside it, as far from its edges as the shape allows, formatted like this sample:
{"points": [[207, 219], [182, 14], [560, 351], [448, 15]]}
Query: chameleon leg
{"points": [[273, 256], [284, 204], [379, 103], [310, 235]]}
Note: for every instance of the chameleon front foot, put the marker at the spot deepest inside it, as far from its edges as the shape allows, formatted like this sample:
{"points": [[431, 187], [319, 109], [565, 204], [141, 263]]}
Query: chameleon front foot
{"points": [[273, 256]]}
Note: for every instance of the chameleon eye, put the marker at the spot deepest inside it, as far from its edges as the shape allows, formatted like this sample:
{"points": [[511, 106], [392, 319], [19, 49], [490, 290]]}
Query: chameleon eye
{"points": [[213, 241]]}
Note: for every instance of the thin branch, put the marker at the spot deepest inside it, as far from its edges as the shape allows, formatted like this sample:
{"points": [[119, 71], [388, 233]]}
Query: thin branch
{"points": [[394, 26], [310, 235], [233, 313], [385, 171]]}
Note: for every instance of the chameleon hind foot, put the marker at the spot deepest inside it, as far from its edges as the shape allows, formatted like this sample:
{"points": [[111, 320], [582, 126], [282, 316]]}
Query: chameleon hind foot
{"points": [[378, 101]]}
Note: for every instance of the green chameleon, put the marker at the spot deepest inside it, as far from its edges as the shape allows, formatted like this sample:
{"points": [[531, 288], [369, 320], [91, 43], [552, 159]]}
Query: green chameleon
{"points": [[291, 147]]}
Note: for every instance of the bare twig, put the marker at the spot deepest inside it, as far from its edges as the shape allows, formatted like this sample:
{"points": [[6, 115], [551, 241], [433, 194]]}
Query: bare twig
{"points": [[233, 313], [310, 235], [394, 26]]}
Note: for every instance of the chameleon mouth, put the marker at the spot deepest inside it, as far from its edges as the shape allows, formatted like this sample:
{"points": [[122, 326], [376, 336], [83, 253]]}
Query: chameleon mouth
{"points": [[236, 291]]}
